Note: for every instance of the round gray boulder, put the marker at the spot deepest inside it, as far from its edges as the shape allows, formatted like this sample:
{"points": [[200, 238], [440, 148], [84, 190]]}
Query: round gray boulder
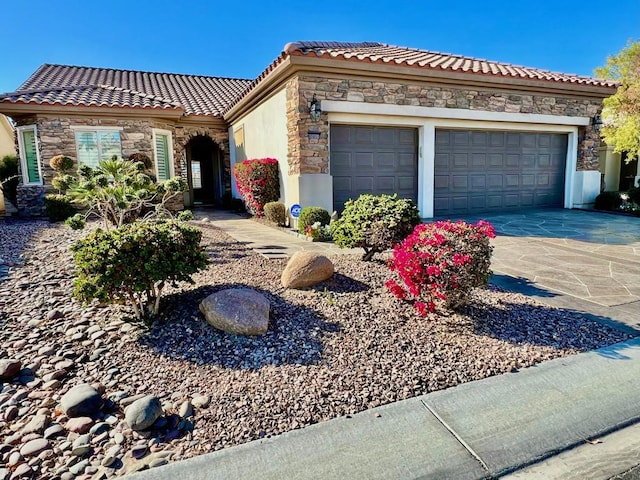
{"points": [[142, 413], [239, 311]]}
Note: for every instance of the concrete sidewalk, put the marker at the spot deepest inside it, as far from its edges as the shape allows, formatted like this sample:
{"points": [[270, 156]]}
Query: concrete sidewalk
{"points": [[480, 429]]}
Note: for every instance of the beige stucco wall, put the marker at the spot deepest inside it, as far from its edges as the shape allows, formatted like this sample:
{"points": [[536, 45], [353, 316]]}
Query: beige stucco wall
{"points": [[7, 138], [262, 133]]}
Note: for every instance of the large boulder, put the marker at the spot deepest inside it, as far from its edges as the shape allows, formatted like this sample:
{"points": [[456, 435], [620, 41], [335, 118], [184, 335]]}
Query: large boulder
{"points": [[9, 368], [143, 413], [239, 311], [81, 401], [306, 269]]}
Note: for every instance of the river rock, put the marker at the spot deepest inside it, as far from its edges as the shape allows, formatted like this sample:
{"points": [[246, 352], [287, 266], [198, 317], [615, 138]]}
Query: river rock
{"points": [[239, 311], [142, 413], [36, 425], [79, 424], [35, 447], [9, 368], [82, 400], [306, 269]]}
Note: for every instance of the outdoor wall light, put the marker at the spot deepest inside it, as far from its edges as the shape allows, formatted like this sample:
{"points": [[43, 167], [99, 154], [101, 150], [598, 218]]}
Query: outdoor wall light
{"points": [[314, 109], [596, 122]]}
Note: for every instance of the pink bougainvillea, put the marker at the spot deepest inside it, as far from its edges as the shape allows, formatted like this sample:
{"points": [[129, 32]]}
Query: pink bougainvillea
{"points": [[439, 264], [258, 183]]}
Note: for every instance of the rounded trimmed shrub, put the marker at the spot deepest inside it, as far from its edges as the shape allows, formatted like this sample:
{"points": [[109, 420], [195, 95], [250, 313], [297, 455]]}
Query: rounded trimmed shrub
{"points": [[375, 223], [610, 201], [59, 207], [439, 264], [133, 263], [310, 215], [61, 163], [276, 213]]}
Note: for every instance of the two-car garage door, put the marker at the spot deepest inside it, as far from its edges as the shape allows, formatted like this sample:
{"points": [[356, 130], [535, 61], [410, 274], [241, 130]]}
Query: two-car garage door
{"points": [[474, 170], [484, 171]]}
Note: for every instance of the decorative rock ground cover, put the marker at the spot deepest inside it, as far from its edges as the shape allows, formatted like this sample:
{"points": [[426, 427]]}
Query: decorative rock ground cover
{"points": [[188, 388]]}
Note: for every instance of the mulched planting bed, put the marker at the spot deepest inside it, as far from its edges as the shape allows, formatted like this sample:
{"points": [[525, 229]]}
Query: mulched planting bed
{"points": [[340, 348]]}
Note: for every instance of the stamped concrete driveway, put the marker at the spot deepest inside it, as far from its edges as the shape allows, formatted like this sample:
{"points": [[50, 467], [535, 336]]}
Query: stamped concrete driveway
{"points": [[591, 258]]}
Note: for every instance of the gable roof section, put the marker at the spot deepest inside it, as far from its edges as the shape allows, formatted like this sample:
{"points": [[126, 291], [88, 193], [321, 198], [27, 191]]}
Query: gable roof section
{"points": [[373, 53], [104, 87]]}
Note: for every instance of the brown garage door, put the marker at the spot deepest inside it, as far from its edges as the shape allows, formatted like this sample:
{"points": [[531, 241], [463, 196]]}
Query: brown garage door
{"points": [[484, 171], [373, 160]]}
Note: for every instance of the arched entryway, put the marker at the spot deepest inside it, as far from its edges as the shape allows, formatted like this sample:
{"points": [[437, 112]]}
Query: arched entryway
{"points": [[204, 171]]}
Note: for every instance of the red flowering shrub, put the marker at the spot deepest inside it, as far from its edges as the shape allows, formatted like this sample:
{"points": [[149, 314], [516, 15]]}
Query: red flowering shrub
{"points": [[258, 183], [439, 264]]}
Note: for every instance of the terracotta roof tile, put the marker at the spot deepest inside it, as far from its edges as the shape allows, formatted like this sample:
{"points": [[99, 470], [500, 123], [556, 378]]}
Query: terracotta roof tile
{"points": [[86, 86], [379, 52]]}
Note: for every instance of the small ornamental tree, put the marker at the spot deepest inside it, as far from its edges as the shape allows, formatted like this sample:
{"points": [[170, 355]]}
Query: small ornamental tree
{"points": [[119, 192], [440, 263], [133, 263], [374, 223], [258, 183], [621, 111]]}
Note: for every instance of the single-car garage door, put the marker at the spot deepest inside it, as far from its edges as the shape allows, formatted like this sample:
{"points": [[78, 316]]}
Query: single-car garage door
{"points": [[484, 171], [374, 160]]}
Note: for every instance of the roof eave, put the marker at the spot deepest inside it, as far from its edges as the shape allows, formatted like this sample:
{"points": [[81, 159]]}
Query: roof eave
{"points": [[12, 108], [294, 63], [262, 89], [334, 65]]}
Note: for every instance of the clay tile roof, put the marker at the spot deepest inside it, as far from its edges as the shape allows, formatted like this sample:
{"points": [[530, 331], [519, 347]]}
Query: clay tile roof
{"points": [[382, 53], [86, 86]]}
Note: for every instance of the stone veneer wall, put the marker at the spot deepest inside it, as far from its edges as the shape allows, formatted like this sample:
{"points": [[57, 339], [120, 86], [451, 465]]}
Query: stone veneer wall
{"points": [[308, 140], [55, 137]]}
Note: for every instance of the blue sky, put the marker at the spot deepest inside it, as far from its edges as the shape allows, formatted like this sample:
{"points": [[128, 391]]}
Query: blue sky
{"points": [[240, 38]]}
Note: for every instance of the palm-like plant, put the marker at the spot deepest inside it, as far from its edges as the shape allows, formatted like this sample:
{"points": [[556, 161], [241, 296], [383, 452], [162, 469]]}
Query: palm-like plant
{"points": [[119, 192]]}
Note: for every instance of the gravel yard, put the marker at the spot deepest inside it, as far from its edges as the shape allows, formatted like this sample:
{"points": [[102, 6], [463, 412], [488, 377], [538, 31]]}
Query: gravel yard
{"points": [[340, 348]]}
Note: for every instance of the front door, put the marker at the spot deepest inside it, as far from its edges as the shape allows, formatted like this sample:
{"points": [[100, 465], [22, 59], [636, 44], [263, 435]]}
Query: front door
{"points": [[203, 157]]}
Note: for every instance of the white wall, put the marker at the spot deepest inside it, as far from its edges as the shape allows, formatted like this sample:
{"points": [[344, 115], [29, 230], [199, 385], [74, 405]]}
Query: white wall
{"points": [[265, 136]]}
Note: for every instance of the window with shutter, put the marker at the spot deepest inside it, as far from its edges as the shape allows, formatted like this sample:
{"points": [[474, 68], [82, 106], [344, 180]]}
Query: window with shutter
{"points": [[29, 156], [96, 145], [162, 147]]}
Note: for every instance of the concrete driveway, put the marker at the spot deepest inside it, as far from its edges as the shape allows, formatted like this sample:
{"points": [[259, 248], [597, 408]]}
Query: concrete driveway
{"points": [[585, 260]]}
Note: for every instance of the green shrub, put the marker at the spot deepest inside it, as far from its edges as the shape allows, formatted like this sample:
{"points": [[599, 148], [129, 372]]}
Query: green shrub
{"points": [[119, 192], [318, 232], [310, 215], [276, 213], [608, 201], [184, 216], [634, 194], [375, 223], [59, 208], [132, 264], [439, 264], [61, 163], [9, 178], [258, 183]]}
